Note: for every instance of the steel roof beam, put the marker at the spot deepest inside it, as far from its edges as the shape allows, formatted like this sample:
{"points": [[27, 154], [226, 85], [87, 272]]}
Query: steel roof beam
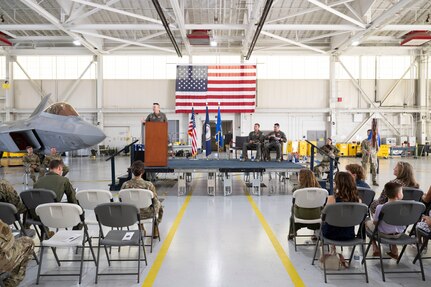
{"points": [[339, 14], [293, 42], [88, 13], [139, 41], [250, 27], [179, 15], [118, 11]]}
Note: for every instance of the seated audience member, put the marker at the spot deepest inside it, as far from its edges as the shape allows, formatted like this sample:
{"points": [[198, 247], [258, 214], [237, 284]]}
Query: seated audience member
{"points": [[426, 198], [331, 152], [404, 176], [276, 139], [31, 163], [358, 174], [345, 191], [14, 255], [138, 182], [254, 141], [394, 192], [8, 194], [424, 225], [54, 181], [306, 179], [48, 158]]}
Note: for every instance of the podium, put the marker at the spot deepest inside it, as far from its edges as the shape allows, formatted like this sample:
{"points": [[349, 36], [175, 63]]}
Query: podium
{"points": [[156, 144]]}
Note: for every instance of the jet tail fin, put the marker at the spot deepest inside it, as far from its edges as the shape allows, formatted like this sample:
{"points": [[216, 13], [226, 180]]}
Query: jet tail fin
{"points": [[41, 106]]}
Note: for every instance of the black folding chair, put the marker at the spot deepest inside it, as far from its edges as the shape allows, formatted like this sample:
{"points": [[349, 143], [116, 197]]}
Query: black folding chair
{"points": [[343, 214], [119, 215], [398, 213]]}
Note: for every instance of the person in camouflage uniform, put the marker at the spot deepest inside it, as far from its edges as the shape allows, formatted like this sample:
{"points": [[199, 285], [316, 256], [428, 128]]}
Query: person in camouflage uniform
{"points": [[14, 255], [8, 194], [324, 165], [276, 140], [254, 140], [369, 156], [156, 115], [138, 182], [31, 163], [48, 158]]}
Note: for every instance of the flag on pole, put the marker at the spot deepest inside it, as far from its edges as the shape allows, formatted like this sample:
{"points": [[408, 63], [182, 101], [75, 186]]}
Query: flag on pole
{"points": [[207, 134], [219, 131], [192, 133]]}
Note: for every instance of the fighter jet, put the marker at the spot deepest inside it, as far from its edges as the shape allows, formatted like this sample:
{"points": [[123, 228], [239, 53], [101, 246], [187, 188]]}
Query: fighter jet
{"points": [[58, 126]]}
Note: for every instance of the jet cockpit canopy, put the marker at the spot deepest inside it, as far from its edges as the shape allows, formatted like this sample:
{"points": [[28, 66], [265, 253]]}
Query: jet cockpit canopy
{"points": [[62, 109]]}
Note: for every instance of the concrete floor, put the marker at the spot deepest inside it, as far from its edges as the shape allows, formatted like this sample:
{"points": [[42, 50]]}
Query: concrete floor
{"points": [[237, 240]]}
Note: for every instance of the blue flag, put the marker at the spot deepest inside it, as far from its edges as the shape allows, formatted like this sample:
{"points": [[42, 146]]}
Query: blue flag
{"points": [[219, 131], [207, 134]]}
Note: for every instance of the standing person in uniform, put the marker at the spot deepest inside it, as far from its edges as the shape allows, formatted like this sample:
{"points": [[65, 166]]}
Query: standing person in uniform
{"points": [[156, 115], [48, 158], [31, 163], [54, 181], [14, 255], [276, 139], [369, 155], [332, 152], [9, 195], [138, 182], [254, 140]]}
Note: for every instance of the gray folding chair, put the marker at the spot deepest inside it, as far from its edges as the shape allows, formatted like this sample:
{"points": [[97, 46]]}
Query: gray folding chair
{"points": [[399, 213], [343, 214], [9, 215], [426, 236], [119, 215], [411, 193]]}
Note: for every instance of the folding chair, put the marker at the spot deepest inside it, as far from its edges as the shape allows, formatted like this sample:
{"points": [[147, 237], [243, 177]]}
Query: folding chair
{"points": [[427, 237], [367, 196], [9, 215], [411, 193], [343, 214], [142, 198], [399, 213], [64, 215], [119, 215], [306, 199]]}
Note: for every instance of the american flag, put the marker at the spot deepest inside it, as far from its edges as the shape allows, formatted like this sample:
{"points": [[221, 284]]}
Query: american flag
{"points": [[192, 133], [233, 86]]}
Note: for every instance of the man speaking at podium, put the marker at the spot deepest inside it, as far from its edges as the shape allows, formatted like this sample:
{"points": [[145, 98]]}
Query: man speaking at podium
{"points": [[156, 115]]}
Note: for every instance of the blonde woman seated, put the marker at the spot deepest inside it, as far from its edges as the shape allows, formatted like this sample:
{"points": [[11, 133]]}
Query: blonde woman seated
{"points": [[404, 176], [306, 179]]}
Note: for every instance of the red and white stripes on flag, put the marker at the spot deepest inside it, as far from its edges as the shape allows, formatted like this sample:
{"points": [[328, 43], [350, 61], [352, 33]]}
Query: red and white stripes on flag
{"points": [[192, 133], [233, 86]]}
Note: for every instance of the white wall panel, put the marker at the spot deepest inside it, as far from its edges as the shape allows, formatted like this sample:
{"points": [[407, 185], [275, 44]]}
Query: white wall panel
{"points": [[292, 93]]}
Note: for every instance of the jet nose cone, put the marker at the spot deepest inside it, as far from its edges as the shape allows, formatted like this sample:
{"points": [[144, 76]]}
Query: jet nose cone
{"points": [[95, 137]]}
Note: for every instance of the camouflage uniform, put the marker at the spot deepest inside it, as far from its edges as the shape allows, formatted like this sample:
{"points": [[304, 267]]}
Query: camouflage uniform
{"points": [[157, 206], [14, 255], [324, 165], [8, 194], [161, 117], [32, 164], [47, 161], [254, 141], [273, 143], [369, 155], [59, 184]]}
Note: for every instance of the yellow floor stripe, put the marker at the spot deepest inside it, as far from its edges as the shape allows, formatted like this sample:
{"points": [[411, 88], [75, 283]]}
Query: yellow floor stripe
{"points": [[152, 274], [296, 279]]}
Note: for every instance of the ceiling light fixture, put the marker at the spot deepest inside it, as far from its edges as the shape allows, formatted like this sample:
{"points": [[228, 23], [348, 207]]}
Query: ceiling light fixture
{"points": [[213, 43], [77, 43], [355, 43]]}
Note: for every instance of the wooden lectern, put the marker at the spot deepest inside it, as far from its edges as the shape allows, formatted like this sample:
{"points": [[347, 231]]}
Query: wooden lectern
{"points": [[156, 144]]}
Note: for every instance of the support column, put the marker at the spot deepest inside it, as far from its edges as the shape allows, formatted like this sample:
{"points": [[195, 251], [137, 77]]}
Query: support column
{"points": [[332, 117], [421, 100], [9, 93], [99, 90]]}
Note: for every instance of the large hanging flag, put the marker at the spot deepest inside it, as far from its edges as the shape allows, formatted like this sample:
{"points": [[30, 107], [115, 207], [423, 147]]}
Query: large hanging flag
{"points": [[207, 134], [219, 131], [192, 133], [233, 86]]}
